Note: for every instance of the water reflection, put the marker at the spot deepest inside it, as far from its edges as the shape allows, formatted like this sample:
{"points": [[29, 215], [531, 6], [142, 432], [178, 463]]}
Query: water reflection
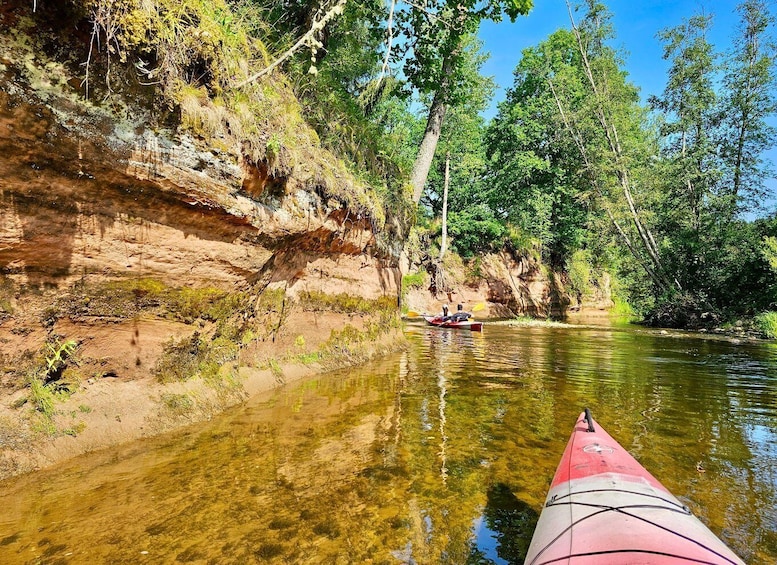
{"points": [[442, 454]]}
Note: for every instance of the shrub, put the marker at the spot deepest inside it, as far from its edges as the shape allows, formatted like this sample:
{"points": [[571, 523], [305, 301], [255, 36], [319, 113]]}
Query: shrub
{"points": [[579, 270], [766, 322]]}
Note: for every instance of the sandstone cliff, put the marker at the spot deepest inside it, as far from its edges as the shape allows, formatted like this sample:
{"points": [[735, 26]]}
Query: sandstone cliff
{"points": [[149, 277]]}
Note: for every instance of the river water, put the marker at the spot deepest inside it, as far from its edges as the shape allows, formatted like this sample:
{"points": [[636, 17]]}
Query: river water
{"points": [[440, 454]]}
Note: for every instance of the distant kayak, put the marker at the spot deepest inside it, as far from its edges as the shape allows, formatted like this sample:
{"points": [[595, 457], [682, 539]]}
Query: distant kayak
{"points": [[463, 324], [604, 508]]}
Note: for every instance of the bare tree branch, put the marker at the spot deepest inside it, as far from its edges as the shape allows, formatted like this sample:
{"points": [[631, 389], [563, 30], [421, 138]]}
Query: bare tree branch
{"points": [[307, 39], [389, 40]]}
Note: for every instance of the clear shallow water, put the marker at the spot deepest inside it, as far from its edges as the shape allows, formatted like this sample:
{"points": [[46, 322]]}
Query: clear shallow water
{"points": [[442, 454]]}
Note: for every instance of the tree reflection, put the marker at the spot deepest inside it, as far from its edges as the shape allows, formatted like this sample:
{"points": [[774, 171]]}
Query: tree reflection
{"points": [[512, 524]]}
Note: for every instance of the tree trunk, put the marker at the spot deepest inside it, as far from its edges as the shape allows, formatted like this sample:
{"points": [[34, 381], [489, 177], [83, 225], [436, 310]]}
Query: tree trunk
{"points": [[423, 160], [444, 243]]}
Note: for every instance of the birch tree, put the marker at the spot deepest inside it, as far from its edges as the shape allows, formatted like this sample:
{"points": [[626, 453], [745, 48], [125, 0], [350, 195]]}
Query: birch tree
{"points": [[749, 86]]}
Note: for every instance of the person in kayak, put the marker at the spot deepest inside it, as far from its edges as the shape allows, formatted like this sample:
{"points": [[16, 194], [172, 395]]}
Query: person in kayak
{"points": [[445, 316], [460, 315]]}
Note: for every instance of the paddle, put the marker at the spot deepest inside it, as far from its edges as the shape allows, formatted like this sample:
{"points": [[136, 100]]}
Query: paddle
{"points": [[414, 314]]}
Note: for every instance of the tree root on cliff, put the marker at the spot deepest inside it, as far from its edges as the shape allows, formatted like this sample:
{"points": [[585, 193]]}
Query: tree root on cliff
{"points": [[440, 281]]}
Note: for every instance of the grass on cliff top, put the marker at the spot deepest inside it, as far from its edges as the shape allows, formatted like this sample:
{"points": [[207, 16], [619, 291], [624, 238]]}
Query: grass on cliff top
{"points": [[196, 52]]}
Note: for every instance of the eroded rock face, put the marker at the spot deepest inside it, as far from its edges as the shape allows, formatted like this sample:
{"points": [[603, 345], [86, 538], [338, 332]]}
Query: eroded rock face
{"points": [[505, 287], [99, 207], [92, 194]]}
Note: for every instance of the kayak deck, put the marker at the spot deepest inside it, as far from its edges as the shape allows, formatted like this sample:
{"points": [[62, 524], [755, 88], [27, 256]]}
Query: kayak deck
{"points": [[604, 508]]}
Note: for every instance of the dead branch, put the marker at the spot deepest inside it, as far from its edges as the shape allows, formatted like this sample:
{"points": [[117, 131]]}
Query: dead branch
{"points": [[307, 39]]}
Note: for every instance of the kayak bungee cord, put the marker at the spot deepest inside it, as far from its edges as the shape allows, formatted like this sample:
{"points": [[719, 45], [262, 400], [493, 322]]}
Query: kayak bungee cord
{"points": [[622, 509], [556, 499], [616, 551]]}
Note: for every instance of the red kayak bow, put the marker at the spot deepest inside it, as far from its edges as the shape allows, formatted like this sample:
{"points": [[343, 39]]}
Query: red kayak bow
{"points": [[604, 508]]}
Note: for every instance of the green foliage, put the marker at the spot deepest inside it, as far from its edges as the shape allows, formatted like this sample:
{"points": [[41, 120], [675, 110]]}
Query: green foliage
{"points": [[47, 385], [42, 397], [57, 356], [766, 322], [475, 230], [769, 251], [419, 279], [679, 188], [363, 119], [622, 309], [580, 272], [524, 243], [435, 63], [195, 356], [195, 55], [748, 99]]}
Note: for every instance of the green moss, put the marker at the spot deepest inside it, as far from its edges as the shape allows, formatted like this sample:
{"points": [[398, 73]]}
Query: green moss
{"points": [[271, 300], [345, 303], [129, 298], [309, 358], [417, 280], [7, 290], [196, 356], [177, 404]]}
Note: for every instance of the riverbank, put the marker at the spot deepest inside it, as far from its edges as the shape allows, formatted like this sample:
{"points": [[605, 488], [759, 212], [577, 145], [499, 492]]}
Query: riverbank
{"points": [[597, 319], [111, 388]]}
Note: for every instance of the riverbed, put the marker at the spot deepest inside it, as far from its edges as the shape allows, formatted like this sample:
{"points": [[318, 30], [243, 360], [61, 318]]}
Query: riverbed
{"points": [[440, 454]]}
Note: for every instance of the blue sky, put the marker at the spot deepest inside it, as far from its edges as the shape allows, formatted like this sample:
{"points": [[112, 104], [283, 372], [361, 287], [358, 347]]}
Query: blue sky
{"points": [[636, 24]]}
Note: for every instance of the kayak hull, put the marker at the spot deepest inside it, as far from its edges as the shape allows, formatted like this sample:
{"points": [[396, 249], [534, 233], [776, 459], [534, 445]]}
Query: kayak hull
{"points": [[604, 508], [463, 325]]}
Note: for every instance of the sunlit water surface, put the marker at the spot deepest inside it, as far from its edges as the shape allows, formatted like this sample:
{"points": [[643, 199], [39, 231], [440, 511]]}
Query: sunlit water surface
{"points": [[441, 454]]}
